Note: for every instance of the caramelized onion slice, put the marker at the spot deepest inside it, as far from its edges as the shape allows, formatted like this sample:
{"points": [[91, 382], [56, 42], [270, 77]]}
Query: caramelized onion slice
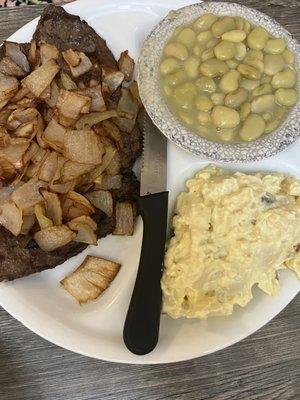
{"points": [[83, 146], [78, 62], [111, 130], [9, 67], [11, 218], [54, 135], [14, 51], [94, 118], [124, 219], [54, 237], [90, 279], [95, 93], [8, 87], [41, 78], [72, 170], [48, 52], [71, 104], [20, 115], [108, 182], [28, 195], [127, 105], [80, 201], [85, 234], [85, 219], [126, 65], [49, 166], [71, 57], [53, 207], [40, 214], [101, 199], [62, 188], [112, 78], [14, 152], [28, 222], [67, 82]]}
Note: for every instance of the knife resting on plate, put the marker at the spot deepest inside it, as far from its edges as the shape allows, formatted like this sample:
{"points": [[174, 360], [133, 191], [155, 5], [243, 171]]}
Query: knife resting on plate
{"points": [[141, 327]]}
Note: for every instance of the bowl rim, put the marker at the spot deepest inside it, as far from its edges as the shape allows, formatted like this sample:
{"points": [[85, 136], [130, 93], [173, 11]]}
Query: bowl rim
{"points": [[178, 133]]}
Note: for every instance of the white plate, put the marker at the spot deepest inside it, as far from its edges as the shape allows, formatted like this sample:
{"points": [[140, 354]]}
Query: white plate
{"points": [[95, 329]]}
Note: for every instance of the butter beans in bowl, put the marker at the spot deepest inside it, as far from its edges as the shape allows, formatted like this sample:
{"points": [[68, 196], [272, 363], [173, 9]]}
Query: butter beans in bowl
{"points": [[221, 81]]}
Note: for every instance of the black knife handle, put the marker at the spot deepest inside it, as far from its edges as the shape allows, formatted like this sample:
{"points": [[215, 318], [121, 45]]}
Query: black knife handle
{"points": [[141, 327]]}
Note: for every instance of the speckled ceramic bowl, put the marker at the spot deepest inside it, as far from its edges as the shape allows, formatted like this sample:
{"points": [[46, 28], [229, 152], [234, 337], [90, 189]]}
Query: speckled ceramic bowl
{"points": [[153, 99]]}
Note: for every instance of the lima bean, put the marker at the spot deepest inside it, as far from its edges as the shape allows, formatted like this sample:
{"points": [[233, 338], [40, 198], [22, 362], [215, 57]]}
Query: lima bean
{"points": [[245, 110], [204, 37], [213, 68], [225, 117], [240, 51], [256, 54], [197, 50], [288, 56], [168, 66], [232, 64], [177, 50], [224, 50], [249, 72], [254, 62], [239, 22], [207, 54], [223, 25], [237, 98], [184, 95], [227, 135], [272, 125], [191, 66], [229, 81], [187, 37], [265, 88], [285, 79], [176, 78], [235, 36], [262, 104], [253, 127], [218, 98], [275, 46], [205, 22], [203, 103], [286, 97], [249, 84], [206, 84], [203, 118], [273, 63], [257, 38]]}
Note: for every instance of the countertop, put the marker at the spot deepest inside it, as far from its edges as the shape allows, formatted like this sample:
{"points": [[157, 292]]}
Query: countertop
{"points": [[264, 366]]}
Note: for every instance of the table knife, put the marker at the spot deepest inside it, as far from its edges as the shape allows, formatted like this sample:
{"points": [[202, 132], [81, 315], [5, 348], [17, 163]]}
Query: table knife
{"points": [[141, 328]]}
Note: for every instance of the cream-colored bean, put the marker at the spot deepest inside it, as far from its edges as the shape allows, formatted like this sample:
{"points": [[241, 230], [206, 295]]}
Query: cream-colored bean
{"points": [[262, 104], [176, 78], [245, 111], [167, 90], [176, 32], [275, 46], [225, 117], [197, 50], [205, 22], [273, 63], [213, 68], [249, 72], [285, 79], [272, 125], [230, 81], [227, 135], [183, 96], [257, 38], [218, 98], [253, 127], [191, 67], [280, 112], [207, 54], [249, 84], [239, 22], [206, 84], [187, 37], [286, 97], [288, 56], [256, 54], [235, 36], [232, 64], [212, 42], [168, 66], [225, 50], [223, 25], [203, 118], [207, 130], [265, 88], [240, 51], [237, 98], [266, 78], [247, 27], [254, 62], [186, 117], [177, 50], [204, 103], [204, 37]]}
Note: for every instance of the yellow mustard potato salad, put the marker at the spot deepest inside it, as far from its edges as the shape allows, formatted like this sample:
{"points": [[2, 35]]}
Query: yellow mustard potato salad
{"points": [[231, 231], [227, 80]]}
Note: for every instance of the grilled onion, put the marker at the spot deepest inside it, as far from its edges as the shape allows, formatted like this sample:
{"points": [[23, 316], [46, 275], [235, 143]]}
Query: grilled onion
{"points": [[126, 65], [101, 199], [11, 218], [53, 237], [41, 78]]}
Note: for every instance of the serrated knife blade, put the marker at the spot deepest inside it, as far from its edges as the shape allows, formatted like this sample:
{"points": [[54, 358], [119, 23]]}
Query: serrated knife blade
{"points": [[154, 159], [141, 328]]}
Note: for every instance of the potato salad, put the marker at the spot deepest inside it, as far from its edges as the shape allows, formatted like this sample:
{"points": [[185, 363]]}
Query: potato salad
{"points": [[231, 231], [227, 80]]}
